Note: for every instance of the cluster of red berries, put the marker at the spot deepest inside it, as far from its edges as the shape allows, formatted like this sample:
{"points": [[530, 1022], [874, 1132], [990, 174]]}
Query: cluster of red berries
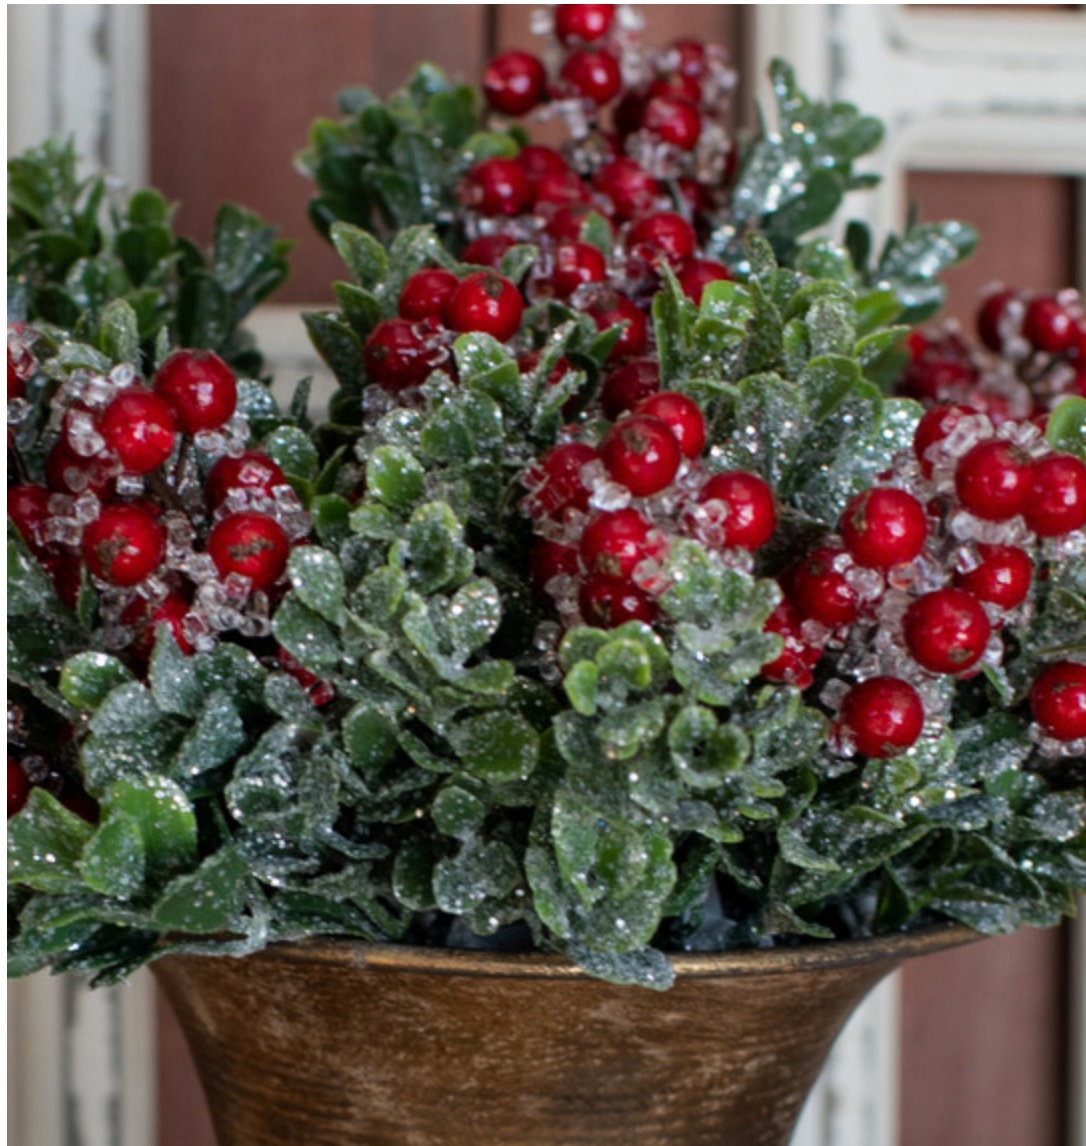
{"points": [[606, 512], [124, 499], [1032, 355], [28, 769]]}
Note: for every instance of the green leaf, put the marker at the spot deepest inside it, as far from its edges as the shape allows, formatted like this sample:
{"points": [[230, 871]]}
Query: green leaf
{"points": [[208, 900], [216, 737], [363, 254], [457, 812], [317, 578], [45, 844], [306, 635], [294, 452], [395, 477], [497, 746], [1066, 427], [118, 332], [174, 680], [165, 819], [369, 737], [645, 967], [339, 346], [114, 861], [827, 381], [413, 875], [88, 678]]}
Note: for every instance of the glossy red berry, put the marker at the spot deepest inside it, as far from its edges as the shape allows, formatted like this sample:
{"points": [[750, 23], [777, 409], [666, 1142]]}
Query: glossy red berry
{"points": [[946, 631], [556, 190], [676, 84], [425, 294], [1056, 500], [696, 274], [66, 571], [992, 480], [252, 545], [18, 787], [642, 454], [1058, 700], [28, 508], [576, 264], [627, 385], [124, 545], [611, 309], [990, 316], [549, 559], [397, 355], [486, 302], [608, 602], [251, 471], [171, 611], [629, 188], [798, 657], [560, 485], [593, 75], [936, 426], [616, 543], [689, 57], [140, 428], [487, 250], [1002, 578], [16, 385], [751, 516], [674, 120], [514, 83], [67, 472], [883, 716], [496, 187], [567, 222], [200, 387], [665, 235], [821, 592], [682, 416], [1048, 326], [537, 160], [583, 23], [884, 527]]}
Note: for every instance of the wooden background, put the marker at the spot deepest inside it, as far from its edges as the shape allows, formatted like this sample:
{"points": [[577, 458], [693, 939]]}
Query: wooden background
{"points": [[233, 90]]}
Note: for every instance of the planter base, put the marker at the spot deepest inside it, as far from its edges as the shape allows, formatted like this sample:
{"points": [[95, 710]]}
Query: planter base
{"points": [[340, 1044]]}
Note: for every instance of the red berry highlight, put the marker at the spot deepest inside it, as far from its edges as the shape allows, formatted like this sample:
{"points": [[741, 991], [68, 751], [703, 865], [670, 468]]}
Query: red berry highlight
{"points": [[751, 516], [1056, 498], [496, 187], [124, 545], [992, 480], [582, 23], [627, 385], [642, 454], [616, 543], [682, 416], [1002, 578], [200, 387], [251, 471], [946, 631], [884, 527], [576, 264], [611, 309], [592, 75], [665, 235], [1058, 700], [514, 83], [821, 592], [883, 716], [140, 428], [486, 302], [608, 602], [252, 545], [397, 356], [798, 657], [425, 294]]}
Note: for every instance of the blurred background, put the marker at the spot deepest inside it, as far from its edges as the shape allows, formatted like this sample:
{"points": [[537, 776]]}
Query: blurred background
{"points": [[986, 115]]}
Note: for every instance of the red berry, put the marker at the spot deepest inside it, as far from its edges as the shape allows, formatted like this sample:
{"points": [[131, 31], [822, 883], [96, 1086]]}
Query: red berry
{"points": [[487, 250], [170, 611], [397, 355], [689, 57], [677, 85], [674, 120], [664, 235], [558, 188], [18, 787], [1002, 578], [486, 302], [252, 545], [884, 527], [642, 454], [496, 187], [582, 22], [567, 223], [1058, 700], [1048, 326], [627, 385], [251, 471], [16, 389], [947, 631], [798, 657], [576, 264], [608, 602], [124, 545], [751, 513], [66, 570], [549, 559], [630, 189], [1056, 499], [616, 543], [992, 480], [682, 416], [537, 160], [613, 308], [320, 692], [990, 316], [629, 111], [560, 486], [935, 426], [592, 74], [697, 274], [67, 472], [139, 427], [883, 716], [200, 387], [514, 83], [820, 592], [425, 294], [28, 508]]}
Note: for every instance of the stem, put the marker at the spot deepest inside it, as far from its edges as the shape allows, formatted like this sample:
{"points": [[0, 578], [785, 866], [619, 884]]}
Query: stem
{"points": [[183, 456], [16, 455], [162, 488]]}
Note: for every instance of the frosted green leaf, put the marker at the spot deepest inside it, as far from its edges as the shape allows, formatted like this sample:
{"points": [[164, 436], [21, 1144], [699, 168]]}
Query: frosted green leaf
{"points": [[581, 685], [174, 680], [306, 635], [413, 875], [645, 967], [1066, 426], [625, 661], [395, 477], [210, 899], [317, 578], [114, 860], [827, 381], [88, 678], [456, 812], [165, 819], [479, 872], [45, 843], [369, 737], [497, 746], [216, 737], [473, 616], [293, 450], [363, 254]]}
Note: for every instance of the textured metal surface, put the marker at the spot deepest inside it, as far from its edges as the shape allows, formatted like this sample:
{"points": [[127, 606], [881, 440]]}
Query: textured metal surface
{"points": [[337, 1044]]}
